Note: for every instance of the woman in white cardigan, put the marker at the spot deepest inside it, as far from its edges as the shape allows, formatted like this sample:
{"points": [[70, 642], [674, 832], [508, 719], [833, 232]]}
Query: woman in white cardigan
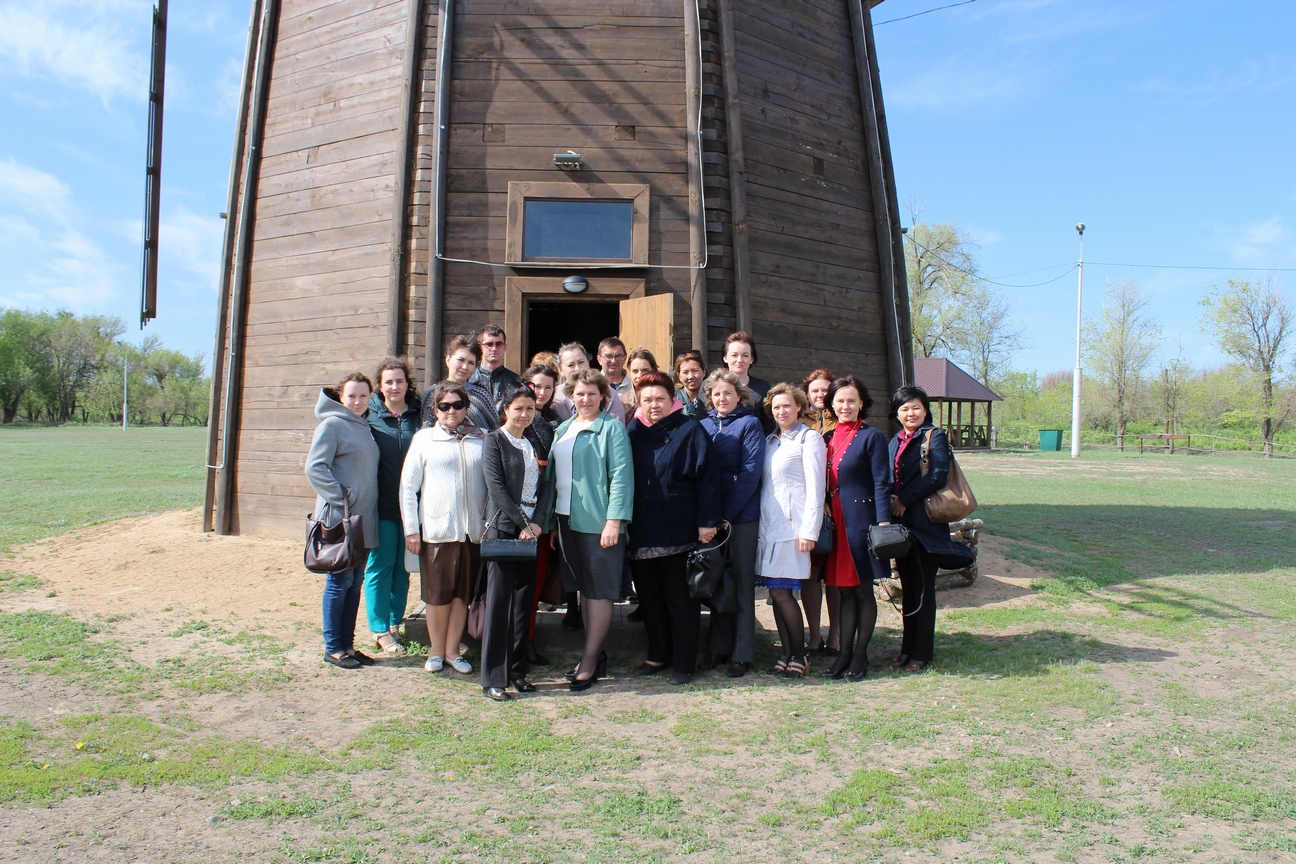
{"points": [[443, 506], [791, 510]]}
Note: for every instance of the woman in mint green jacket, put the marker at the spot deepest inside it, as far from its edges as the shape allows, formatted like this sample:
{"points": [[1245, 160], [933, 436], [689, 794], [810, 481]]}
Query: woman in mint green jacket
{"points": [[591, 480]]}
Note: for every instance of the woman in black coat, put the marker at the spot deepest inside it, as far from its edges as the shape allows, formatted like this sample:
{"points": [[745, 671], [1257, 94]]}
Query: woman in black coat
{"points": [[859, 486], [515, 489], [676, 506], [932, 547]]}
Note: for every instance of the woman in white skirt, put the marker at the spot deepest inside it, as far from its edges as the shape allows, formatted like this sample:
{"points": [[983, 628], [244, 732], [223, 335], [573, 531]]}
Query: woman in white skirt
{"points": [[791, 510]]}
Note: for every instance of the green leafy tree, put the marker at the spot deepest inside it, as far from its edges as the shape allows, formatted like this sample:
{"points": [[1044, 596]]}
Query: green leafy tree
{"points": [[23, 356], [1252, 323], [941, 270], [78, 348], [1118, 348]]}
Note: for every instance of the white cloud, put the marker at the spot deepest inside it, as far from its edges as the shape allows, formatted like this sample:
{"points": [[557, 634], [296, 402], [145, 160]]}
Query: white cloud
{"points": [[32, 189], [1256, 244], [191, 243], [962, 83], [100, 47]]}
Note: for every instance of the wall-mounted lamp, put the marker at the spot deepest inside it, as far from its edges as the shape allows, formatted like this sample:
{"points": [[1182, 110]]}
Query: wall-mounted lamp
{"points": [[569, 161], [575, 284]]}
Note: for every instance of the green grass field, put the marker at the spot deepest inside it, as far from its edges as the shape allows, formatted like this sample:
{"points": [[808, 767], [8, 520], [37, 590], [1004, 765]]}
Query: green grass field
{"points": [[1138, 708], [58, 479]]}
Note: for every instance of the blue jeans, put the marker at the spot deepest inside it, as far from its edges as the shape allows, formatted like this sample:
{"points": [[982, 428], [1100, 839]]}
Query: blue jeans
{"points": [[341, 603], [386, 581]]}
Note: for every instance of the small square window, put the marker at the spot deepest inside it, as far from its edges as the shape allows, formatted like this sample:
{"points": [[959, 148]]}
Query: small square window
{"points": [[575, 230], [561, 224]]}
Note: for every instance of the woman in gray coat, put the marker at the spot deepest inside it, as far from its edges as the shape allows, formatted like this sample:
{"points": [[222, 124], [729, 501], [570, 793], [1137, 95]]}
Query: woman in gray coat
{"points": [[342, 466], [516, 501]]}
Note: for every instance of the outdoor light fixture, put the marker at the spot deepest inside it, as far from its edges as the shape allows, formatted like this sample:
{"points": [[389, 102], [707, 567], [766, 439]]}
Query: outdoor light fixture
{"points": [[575, 284], [569, 161]]}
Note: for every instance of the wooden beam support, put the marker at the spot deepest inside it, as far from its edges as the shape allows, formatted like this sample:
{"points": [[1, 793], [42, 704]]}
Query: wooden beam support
{"points": [[214, 413], [696, 206], [441, 131], [885, 220], [242, 265], [400, 218], [737, 165]]}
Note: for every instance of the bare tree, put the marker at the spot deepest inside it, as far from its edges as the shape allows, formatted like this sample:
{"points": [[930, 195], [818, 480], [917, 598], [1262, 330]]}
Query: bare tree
{"points": [[941, 272], [985, 339], [1173, 374], [1118, 348], [1251, 322]]}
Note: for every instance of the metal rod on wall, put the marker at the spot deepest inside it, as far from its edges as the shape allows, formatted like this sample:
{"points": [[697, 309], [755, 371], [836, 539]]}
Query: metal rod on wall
{"points": [[227, 251], [242, 259], [697, 209], [441, 129], [400, 218]]}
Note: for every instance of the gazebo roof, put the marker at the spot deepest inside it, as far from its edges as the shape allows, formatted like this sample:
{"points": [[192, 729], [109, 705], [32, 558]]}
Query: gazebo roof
{"points": [[943, 380]]}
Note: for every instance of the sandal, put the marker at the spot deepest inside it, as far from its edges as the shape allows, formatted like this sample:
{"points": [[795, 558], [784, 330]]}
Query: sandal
{"points": [[780, 667], [797, 667], [387, 642]]}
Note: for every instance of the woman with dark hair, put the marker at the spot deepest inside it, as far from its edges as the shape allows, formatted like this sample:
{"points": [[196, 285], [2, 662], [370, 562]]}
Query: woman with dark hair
{"points": [[462, 356], [689, 373], [676, 506], [791, 514], [592, 483], [920, 457], [859, 486], [819, 417], [443, 506], [738, 354], [543, 381], [342, 467], [517, 497], [393, 418], [738, 449]]}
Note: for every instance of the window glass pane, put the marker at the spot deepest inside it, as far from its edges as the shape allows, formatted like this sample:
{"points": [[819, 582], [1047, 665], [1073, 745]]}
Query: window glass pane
{"points": [[577, 230]]}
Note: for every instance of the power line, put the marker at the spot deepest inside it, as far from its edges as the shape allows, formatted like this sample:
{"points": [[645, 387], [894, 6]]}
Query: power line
{"points": [[980, 278], [1190, 267], [918, 14]]}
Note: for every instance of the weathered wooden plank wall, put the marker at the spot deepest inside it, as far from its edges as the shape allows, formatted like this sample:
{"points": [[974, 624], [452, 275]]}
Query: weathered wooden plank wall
{"points": [[317, 292]]}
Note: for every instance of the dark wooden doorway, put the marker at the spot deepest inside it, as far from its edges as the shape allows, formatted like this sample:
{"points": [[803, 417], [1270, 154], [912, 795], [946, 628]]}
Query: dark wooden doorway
{"points": [[553, 323]]}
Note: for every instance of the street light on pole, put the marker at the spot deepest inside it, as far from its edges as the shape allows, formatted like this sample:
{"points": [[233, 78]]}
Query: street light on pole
{"points": [[1075, 384]]}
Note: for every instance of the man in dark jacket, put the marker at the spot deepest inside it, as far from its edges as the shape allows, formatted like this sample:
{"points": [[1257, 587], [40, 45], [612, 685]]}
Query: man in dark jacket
{"points": [[491, 372]]}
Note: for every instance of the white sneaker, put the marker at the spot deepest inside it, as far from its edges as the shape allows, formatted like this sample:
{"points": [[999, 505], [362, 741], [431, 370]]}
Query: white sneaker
{"points": [[460, 665], [433, 664]]}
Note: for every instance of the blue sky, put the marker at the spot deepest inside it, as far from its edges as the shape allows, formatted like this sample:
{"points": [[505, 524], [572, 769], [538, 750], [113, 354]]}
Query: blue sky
{"points": [[1167, 128]]}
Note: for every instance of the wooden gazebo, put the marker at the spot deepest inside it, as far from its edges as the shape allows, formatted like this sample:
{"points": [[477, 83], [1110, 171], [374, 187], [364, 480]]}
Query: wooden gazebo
{"points": [[951, 389]]}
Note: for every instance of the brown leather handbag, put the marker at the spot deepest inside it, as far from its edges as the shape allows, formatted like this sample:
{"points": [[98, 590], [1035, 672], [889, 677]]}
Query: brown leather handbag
{"points": [[336, 548], [955, 501]]}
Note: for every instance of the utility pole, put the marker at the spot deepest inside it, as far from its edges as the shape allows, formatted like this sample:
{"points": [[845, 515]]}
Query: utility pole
{"points": [[1075, 384], [125, 393]]}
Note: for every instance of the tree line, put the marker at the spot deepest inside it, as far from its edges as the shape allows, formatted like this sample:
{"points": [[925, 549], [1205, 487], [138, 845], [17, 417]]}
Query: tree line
{"points": [[60, 368], [1135, 383]]}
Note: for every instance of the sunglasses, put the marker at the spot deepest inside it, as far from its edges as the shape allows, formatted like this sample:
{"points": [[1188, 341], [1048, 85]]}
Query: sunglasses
{"points": [[493, 344], [451, 406]]}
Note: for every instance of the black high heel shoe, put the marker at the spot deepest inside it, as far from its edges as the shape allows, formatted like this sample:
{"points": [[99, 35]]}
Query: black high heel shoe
{"points": [[860, 675], [838, 669], [600, 668], [579, 684]]}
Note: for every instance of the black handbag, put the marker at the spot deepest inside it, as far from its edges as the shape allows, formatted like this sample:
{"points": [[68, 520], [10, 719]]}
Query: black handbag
{"points": [[889, 541], [706, 565], [827, 530], [501, 551], [333, 549]]}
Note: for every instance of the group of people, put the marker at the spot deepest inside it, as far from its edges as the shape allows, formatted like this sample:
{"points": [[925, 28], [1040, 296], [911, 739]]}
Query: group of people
{"points": [[619, 474]]}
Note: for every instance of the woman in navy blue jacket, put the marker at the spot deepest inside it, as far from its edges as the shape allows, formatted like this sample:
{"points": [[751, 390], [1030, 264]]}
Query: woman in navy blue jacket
{"points": [[859, 488], [738, 446], [676, 506], [932, 547]]}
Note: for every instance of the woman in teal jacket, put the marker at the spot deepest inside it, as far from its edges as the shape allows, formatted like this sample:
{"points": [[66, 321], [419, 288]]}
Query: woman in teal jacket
{"points": [[591, 481]]}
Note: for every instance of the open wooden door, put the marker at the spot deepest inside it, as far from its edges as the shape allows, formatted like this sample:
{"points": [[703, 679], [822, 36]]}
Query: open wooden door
{"points": [[649, 322]]}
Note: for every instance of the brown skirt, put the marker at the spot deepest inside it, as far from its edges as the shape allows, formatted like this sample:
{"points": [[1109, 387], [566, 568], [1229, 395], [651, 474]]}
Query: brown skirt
{"points": [[448, 571]]}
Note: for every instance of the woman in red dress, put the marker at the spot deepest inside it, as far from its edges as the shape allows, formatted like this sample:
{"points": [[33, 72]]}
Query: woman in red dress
{"points": [[859, 479]]}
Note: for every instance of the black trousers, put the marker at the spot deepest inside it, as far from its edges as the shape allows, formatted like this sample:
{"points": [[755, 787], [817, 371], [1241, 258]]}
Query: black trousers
{"points": [[918, 581], [510, 593], [671, 617]]}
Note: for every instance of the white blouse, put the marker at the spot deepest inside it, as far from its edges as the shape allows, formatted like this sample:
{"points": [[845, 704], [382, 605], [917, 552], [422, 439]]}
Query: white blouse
{"points": [[531, 474], [562, 459]]}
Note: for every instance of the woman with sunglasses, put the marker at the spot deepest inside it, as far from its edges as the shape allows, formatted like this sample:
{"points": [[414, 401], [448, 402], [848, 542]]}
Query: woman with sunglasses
{"points": [[689, 373], [443, 506], [515, 487]]}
